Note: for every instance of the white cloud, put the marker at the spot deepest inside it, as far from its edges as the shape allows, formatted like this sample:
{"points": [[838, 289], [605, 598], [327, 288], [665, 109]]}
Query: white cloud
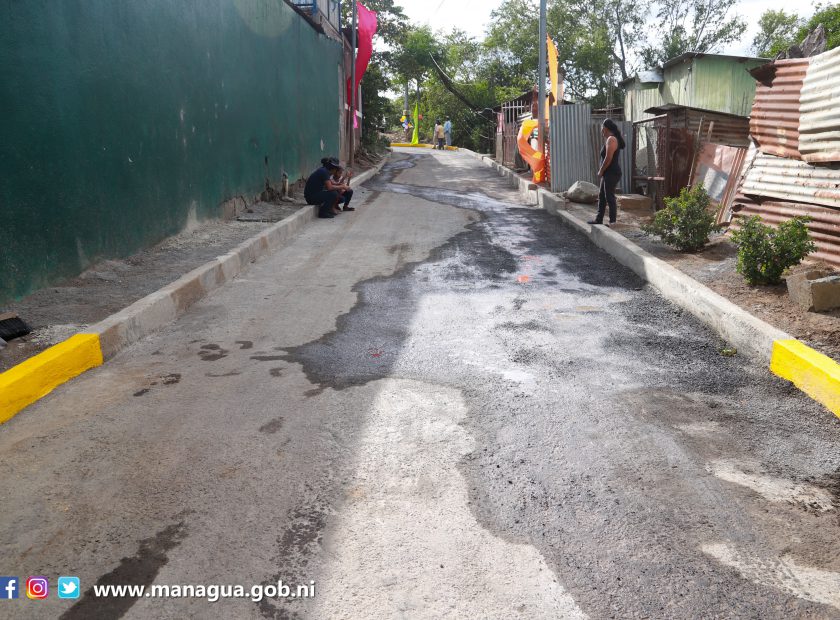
{"points": [[471, 16]]}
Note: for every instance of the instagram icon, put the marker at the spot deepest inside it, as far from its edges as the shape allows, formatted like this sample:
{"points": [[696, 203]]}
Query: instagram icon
{"points": [[37, 588]]}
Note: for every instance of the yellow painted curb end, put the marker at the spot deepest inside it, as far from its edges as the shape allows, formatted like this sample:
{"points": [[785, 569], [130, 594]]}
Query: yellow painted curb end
{"points": [[38, 376], [812, 372]]}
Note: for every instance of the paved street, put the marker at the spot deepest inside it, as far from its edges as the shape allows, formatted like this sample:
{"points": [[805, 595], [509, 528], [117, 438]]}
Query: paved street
{"points": [[444, 405]]}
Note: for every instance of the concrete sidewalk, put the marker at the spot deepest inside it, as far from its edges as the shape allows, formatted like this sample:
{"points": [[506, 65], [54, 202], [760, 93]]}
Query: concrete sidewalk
{"points": [[31, 380]]}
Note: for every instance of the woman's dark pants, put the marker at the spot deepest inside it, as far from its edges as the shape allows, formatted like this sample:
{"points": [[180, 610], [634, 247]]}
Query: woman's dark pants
{"points": [[326, 199], [607, 197]]}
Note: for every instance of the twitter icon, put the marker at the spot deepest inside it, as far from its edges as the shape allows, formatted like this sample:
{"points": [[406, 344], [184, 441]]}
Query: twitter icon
{"points": [[68, 587]]}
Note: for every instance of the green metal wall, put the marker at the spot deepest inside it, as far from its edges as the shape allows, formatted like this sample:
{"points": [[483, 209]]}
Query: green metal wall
{"points": [[723, 85], [119, 121], [708, 82]]}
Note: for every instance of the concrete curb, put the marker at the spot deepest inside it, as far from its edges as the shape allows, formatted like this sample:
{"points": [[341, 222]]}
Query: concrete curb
{"points": [[814, 373], [38, 376]]}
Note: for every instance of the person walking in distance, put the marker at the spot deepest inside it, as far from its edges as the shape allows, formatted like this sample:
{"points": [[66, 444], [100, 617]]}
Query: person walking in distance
{"points": [[321, 190], [610, 171], [447, 131]]}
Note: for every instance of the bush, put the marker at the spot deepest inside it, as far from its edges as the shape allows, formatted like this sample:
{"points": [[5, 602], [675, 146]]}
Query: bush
{"points": [[764, 252], [685, 223]]}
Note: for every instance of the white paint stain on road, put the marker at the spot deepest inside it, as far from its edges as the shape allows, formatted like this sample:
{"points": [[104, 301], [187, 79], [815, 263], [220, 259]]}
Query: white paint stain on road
{"points": [[774, 489], [406, 543], [806, 582]]}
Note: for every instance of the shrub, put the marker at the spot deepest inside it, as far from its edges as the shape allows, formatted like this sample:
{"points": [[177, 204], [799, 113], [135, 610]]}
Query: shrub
{"points": [[685, 223], [764, 252]]}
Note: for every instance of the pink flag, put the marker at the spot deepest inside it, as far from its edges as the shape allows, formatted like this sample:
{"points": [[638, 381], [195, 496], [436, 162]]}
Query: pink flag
{"points": [[367, 28]]}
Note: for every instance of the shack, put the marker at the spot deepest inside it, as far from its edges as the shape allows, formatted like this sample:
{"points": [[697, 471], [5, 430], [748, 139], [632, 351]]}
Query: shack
{"points": [[714, 82]]}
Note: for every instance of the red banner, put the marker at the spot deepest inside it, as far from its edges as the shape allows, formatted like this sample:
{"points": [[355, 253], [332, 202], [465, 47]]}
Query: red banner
{"points": [[367, 28]]}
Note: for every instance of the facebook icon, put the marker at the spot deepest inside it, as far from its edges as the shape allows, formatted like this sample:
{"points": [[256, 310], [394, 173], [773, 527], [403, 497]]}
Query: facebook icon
{"points": [[9, 587]]}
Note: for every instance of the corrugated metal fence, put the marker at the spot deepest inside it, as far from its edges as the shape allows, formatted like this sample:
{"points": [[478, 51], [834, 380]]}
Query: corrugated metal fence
{"points": [[819, 126], [571, 148], [796, 116], [576, 142]]}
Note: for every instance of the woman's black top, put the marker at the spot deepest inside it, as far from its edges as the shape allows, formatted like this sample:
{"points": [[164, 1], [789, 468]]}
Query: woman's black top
{"points": [[316, 183], [614, 168]]}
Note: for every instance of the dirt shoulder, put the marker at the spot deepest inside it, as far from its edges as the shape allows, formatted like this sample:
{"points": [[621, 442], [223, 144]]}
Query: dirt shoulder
{"points": [[714, 266]]}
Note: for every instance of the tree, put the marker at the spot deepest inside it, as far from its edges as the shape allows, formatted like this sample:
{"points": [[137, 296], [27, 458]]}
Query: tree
{"points": [[692, 26], [464, 91], [777, 32], [390, 34], [829, 16], [391, 20], [594, 39], [414, 61]]}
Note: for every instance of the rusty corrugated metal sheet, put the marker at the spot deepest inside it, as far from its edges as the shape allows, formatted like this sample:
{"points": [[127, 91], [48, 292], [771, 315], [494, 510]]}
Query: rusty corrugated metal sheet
{"points": [[774, 122], [727, 129], [819, 126], [793, 180], [824, 225], [717, 168]]}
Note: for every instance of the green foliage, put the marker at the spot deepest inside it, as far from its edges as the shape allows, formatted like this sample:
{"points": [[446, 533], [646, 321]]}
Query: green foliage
{"points": [[829, 16], [594, 41], [686, 222], [692, 26], [777, 31], [463, 60], [376, 105], [414, 61], [391, 20], [764, 252]]}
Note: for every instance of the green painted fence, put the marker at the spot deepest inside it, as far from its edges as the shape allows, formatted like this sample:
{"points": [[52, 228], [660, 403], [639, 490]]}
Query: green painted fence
{"points": [[120, 121]]}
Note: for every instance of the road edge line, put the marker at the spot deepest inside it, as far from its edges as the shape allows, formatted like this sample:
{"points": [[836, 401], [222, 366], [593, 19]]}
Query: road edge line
{"points": [[32, 379]]}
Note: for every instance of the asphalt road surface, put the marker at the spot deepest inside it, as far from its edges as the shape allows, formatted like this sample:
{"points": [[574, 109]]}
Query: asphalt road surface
{"points": [[443, 405]]}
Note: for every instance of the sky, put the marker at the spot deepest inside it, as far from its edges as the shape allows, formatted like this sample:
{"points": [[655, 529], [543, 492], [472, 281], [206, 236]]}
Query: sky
{"points": [[473, 16]]}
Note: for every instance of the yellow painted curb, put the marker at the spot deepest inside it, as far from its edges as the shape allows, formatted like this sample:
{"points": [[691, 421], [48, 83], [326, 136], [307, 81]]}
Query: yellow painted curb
{"points": [[38, 376], [421, 146], [812, 372]]}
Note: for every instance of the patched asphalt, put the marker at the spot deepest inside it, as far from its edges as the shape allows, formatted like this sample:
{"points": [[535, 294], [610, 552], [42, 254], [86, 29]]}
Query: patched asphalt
{"points": [[454, 407]]}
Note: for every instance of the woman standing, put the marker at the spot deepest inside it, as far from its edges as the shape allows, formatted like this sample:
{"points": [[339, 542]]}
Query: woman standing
{"points": [[610, 171]]}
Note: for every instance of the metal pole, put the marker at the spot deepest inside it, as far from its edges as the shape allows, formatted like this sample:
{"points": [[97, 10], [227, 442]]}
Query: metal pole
{"points": [[353, 89], [541, 75]]}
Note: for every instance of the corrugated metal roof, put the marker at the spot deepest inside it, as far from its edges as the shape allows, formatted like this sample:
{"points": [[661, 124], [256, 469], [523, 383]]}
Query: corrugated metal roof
{"points": [[819, 127], [824, 225], [691, 55], [774, 122], [793, 180]]}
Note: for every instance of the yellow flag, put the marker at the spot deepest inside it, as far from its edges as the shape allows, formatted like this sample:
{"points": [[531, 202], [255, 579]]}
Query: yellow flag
{"points": [[553, 70]]}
